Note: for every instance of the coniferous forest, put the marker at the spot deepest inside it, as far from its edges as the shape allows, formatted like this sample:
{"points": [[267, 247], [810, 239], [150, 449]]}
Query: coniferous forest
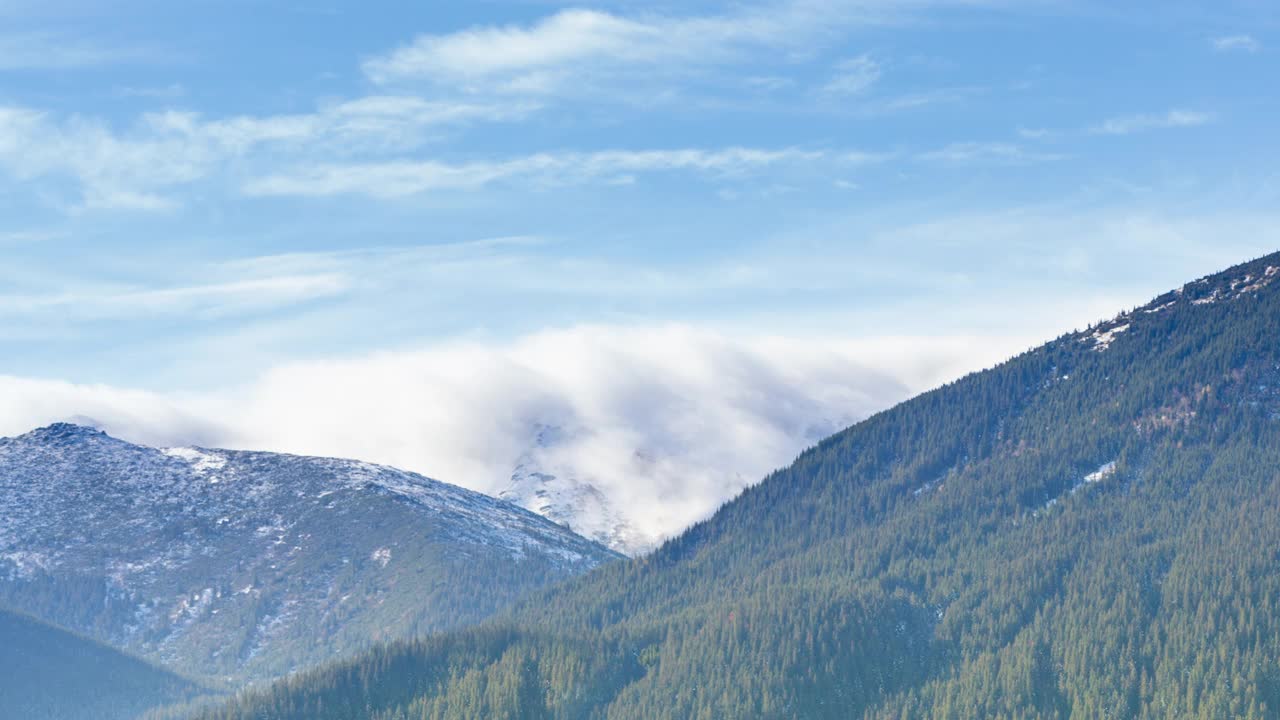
{"points": [[1089, 530], [47, 673]]}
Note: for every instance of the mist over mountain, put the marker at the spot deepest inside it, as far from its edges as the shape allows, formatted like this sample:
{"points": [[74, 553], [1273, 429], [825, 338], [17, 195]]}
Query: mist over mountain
{"points": [[1087, 530], [652, 428]]}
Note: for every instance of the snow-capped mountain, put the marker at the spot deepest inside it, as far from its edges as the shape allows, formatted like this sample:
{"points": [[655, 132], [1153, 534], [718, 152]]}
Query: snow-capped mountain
{"points": [[554, 490], [245, 565]]}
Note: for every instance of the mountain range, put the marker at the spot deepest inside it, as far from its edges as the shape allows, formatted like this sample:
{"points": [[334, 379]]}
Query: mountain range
{"points": [[232, 567], [1089, 529]]}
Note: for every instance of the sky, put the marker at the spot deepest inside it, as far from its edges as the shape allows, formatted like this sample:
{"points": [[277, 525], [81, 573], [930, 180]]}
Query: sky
{"points": [[702, 233]]}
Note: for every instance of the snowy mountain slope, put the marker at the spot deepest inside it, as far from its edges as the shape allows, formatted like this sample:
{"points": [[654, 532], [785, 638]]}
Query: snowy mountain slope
{"points": [[245, 565], [553, 490]]}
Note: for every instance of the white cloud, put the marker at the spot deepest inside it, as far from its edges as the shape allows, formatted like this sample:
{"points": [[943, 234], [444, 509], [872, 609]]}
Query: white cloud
{"points": [[1128, 124], [1237, 43], [1036, 133], [914, 101], [536, 58], [148, 417], [401, 178], [137, 167], [853, 76], [572, 49], [965, 153], [141, 167], [204, 300], [669, 421], [567, 37], [153, 92]]}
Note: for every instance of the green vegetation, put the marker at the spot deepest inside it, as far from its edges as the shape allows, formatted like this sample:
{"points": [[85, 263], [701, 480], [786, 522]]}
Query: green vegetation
{"points": [[1084, 531], [50, 674]]}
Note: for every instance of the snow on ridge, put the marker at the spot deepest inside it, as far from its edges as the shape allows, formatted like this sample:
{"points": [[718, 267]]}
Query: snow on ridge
{"points": [[194, 478], [493, 520], [202, 462], [1102, 473], [25, 563], [1102, 339]]}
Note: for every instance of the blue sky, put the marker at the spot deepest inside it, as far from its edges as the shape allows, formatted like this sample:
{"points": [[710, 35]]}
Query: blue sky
{"points": [[697, 233], [257, 182]]}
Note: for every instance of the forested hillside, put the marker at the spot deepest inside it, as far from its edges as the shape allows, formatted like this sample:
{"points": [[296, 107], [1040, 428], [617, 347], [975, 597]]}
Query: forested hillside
{"points": [[49, 674], [1089, 530]]}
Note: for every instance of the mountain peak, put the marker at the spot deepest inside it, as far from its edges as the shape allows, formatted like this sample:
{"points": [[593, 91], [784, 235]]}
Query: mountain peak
{"points": [[64, 431]]}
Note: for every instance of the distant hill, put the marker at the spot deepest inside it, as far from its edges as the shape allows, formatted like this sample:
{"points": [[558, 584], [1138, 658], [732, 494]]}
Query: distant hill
{"points": [[1089, 530], [234, 566], [50, 674]]}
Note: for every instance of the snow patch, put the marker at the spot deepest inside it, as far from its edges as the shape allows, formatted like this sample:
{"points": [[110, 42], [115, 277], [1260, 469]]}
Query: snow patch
{"points": [[1102, 339], [1102, 473], [202, 462], [382, 556], [26, 563]]}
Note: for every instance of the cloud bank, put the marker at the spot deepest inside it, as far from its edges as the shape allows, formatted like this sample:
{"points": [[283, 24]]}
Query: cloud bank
{"points": [[669, 422]]}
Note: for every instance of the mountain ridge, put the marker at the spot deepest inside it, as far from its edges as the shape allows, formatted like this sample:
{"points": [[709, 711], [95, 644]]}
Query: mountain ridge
{"points": [[239, 565]]}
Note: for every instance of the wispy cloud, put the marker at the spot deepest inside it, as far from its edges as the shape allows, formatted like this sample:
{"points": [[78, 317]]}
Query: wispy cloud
{"points": [[966, 153], [538, 57], [157, 92], [917, 100], [53, 51], [853, 77], [568, 50], [1129, 124], [207, 300], [400, 178], [135, 167], [1236, 43], [1036, 133]]}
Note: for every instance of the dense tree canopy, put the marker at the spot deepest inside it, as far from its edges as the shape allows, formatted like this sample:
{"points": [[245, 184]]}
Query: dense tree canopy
{"points": [[47, 673]]}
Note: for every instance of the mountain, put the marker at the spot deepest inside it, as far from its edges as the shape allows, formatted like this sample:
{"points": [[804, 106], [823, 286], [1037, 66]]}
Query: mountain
{"points": [[47, 673], [234, 566], [555, 491], [1087, 530]]}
